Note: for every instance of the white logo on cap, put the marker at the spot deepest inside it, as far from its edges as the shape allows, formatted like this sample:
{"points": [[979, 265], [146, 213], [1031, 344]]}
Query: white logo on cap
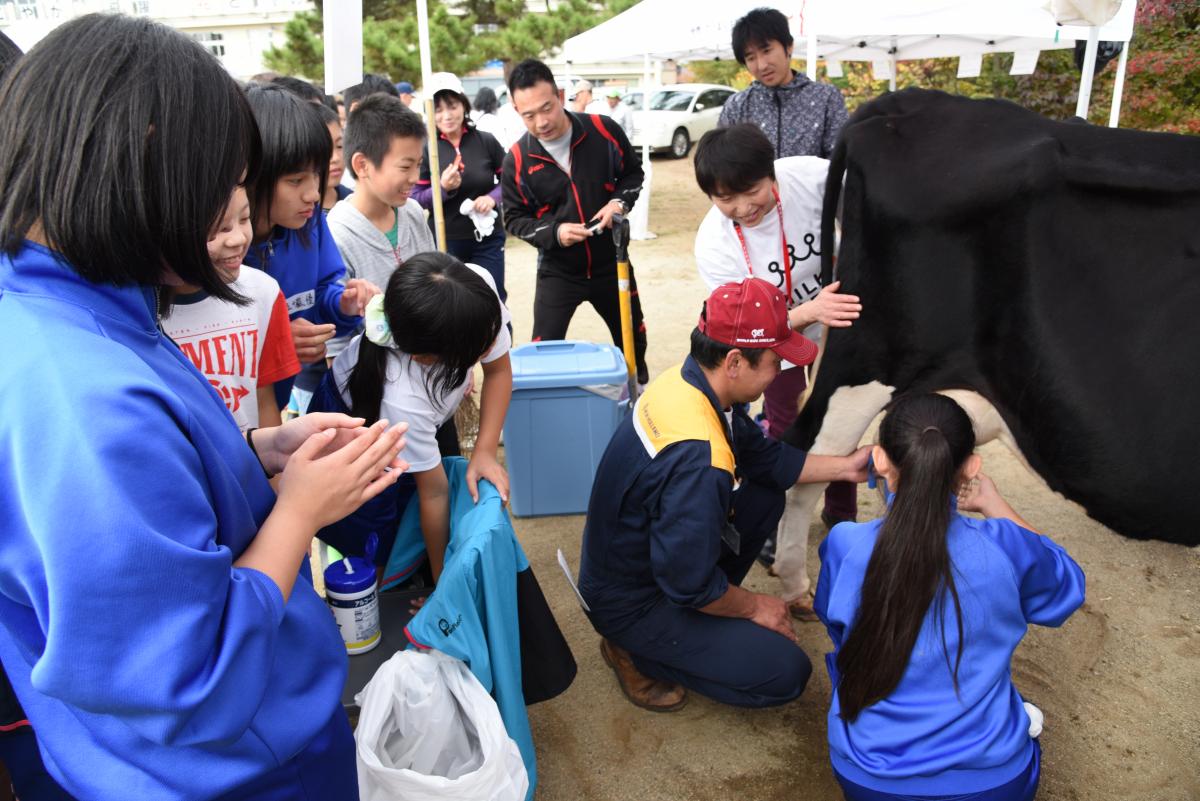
{"points": [[756, 332]]}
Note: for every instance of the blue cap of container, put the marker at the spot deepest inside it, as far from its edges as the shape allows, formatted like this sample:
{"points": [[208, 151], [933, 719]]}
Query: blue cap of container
{"points": [[353, 574], [566, 363]]}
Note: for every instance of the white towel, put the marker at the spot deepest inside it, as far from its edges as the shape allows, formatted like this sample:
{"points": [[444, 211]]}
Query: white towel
{"points": [[484, 223]]}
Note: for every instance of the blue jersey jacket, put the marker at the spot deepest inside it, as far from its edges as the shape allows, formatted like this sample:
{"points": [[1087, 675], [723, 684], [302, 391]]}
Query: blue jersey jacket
{"points": [[923, 739], [662, 495], [150, 666], [311, 278]]}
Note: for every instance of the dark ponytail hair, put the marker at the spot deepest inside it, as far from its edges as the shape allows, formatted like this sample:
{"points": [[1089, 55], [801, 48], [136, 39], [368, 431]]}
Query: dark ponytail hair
{"points": [[435, 306], [928, 438]]}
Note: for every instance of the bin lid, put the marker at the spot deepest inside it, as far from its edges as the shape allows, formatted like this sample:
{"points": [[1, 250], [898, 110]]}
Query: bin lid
{"points": [[566, 363]]}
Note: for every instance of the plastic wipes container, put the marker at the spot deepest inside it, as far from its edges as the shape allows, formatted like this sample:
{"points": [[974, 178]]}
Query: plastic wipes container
{"points": [[567, 400], [351, 593]]}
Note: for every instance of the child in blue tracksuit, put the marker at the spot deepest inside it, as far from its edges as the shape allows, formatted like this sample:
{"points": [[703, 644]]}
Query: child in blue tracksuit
{"points": [[925, 608], [158, 623], [292, 242]]}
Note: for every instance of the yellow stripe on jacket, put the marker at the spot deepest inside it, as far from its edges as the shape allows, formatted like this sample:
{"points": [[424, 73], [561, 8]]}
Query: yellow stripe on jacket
{"points": [[672, 410]]}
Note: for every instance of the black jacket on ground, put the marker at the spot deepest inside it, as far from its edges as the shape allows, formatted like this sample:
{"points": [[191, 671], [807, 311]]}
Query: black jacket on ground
{"points": [[539, 195]]}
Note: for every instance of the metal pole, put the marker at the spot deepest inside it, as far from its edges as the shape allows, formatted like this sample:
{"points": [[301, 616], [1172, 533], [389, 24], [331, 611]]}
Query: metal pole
{"points": [[892, 57], [435, 174], [1119, 87], [1089, 70], [810, 35]]}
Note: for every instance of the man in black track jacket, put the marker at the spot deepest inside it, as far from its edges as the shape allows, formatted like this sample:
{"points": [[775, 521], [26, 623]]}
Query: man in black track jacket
{"points": [[569, 172]]}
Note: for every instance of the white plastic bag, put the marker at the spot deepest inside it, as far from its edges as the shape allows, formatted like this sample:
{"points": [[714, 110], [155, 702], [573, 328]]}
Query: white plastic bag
{"points": [[428, 731]]}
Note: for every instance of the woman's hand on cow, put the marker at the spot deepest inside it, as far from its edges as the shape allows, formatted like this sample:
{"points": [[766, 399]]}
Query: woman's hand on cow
{"points": [[829, 307]]}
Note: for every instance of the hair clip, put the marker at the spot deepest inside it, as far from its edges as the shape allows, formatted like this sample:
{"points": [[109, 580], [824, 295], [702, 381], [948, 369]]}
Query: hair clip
{"points": [[376, 325]]}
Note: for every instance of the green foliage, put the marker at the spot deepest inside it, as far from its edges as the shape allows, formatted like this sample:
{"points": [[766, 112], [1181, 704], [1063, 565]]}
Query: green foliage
{"points": [[304, 53], [1162, 82], [729, 73], [390, 42]]}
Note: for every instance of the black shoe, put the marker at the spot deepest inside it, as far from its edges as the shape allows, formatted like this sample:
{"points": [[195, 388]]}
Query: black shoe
{"points": [[766, 557]]}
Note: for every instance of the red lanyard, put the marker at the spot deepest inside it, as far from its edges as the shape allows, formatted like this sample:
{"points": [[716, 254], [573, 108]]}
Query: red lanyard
{"points": [[786, 263]]}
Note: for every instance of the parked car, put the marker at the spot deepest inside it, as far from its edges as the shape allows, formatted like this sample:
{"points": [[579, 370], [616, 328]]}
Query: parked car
{"points": [[633, 100], [679, 115]]}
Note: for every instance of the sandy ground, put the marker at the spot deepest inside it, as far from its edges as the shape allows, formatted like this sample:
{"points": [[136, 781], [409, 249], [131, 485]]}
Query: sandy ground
{"points": [[1119, 683]]}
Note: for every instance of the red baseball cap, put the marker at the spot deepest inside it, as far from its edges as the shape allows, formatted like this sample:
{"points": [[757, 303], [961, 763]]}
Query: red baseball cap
{"points": [[753, 314]]}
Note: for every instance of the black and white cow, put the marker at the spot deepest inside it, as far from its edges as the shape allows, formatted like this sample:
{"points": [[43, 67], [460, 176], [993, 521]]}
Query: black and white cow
{"points": [[1049, 272]]}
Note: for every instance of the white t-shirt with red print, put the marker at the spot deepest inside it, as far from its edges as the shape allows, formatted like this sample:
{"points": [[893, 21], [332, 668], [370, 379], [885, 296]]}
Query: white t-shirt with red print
{"points": [[238, 348]]}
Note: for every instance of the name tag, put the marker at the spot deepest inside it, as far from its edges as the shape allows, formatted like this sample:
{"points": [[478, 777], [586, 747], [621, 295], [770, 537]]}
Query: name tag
{"points": [[301, 301]]}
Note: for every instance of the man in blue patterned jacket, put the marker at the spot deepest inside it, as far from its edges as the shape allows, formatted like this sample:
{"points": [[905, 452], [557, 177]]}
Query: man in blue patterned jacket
{"points": [[799, 116]]}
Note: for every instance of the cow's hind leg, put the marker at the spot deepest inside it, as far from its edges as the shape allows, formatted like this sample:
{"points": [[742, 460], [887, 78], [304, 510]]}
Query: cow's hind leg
{"points": [[850, 412], [987, 422]]}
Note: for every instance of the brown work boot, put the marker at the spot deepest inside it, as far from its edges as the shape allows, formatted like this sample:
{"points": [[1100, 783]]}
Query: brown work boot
{"points": [[643, 691], [802, 608]]}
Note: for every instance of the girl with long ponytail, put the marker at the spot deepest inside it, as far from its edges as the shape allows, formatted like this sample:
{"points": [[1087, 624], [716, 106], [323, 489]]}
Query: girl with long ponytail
{"points": [[925, 607]]}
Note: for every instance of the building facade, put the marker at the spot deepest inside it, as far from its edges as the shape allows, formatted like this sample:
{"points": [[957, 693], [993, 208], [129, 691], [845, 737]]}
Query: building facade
{"points": [[237, 32]]}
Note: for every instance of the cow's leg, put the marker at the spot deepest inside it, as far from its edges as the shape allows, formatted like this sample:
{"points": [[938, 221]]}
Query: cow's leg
{"points": [[988, 423], [850, 412]]}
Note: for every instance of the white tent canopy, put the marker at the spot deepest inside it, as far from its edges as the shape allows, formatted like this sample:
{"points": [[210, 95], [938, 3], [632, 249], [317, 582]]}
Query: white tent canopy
{"points": [[849, 30], [880, 31]]}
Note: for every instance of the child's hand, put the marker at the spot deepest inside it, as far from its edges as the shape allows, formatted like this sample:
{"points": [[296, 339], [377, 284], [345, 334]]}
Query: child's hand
{"points": [[484, 465], [354, 298], [980, 495], [309, 339], [325, 488], [275, 445], [484, 204]]}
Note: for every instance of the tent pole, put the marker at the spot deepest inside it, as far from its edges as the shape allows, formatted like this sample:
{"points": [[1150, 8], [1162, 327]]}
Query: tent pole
{"points": [[646, 107], [1118, 87], [892, 71], [1089, 70], [439, 214], [810, 35]]}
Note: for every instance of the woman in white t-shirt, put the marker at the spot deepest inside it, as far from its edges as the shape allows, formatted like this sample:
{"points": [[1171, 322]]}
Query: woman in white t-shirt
{"points": [[423, 336], [767, 213]]}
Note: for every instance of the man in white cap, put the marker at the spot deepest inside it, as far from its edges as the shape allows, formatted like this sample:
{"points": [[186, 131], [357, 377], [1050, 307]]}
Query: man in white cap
{"points": [[581, 95]]}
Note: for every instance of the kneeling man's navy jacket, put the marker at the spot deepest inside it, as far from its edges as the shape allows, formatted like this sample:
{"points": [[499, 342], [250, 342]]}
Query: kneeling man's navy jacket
{"points": [[662, 498]]}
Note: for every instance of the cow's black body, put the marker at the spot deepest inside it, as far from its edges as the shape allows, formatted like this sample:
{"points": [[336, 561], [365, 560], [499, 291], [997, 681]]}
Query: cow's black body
{"points": [[1054, 268]]}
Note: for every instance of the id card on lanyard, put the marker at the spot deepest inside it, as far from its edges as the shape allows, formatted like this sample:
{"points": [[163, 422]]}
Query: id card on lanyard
{"points": [[785, 263]]}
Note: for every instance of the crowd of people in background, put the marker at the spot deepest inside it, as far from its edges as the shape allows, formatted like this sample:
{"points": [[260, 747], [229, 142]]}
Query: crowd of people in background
{"points": [[238, 333]]}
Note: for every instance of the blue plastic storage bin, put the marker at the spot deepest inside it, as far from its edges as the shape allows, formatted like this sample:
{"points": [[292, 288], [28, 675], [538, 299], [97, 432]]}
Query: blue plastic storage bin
{"points": [[556, 431]]}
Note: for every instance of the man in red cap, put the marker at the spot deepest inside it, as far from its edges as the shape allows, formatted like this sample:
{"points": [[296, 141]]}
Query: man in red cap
{"points": [[687, 490]]}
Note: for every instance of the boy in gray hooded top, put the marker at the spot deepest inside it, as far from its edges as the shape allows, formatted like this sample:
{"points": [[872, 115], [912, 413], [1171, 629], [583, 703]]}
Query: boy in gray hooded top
{"points": [[379, 227], [799, 116]]}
